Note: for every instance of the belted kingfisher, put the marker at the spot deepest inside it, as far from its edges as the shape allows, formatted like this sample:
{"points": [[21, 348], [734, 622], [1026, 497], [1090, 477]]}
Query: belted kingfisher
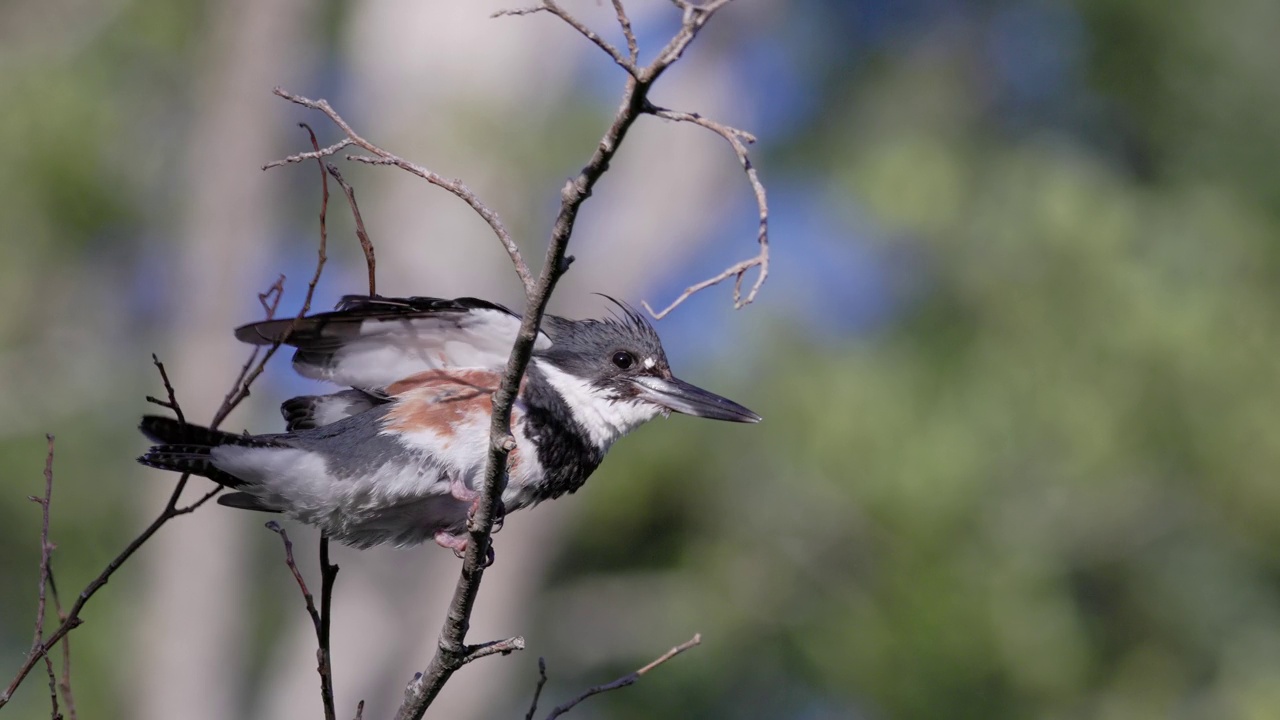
{"points": [[399, 457]]}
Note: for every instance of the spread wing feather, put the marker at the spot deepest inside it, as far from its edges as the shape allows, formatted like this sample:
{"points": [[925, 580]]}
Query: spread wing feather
{"points": [[371, 342]]}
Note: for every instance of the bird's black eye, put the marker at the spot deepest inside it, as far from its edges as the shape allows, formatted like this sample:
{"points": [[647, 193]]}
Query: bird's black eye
{"points": [[623, 359]]}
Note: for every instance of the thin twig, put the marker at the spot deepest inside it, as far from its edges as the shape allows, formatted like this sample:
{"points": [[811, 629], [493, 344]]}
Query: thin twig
{"points": [[633, 48], [269, 299], [361, 234], [554, 8], [317, 154], [738, 140], [452, 651], [626, 680], [537, 690], [324, 657], [319, 618], [457, 187], [46, 550], [171, 403], [321, 256], [64, 683], [495, 647], [307, 597], [240, 390]]}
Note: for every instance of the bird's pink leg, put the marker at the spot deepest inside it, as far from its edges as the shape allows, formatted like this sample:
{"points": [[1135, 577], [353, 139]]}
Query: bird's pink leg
{"points": [[459, 490], [458, 544]]}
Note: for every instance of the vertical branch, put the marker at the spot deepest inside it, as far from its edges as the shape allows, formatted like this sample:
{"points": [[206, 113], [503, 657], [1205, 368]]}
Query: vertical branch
{"points": [[328, 571], [361, 234], [46, 549], [324, 213], [453, 652], [324, 656], [319, 619], [537, 690], [64, 683]]}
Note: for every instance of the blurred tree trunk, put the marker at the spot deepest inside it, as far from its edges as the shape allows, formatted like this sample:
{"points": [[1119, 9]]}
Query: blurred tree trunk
{"points": [[464, 95], [192, 615]]}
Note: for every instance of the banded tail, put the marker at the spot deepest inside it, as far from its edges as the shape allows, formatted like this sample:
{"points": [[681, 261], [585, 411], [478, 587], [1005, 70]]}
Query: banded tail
{"points": [[186, 448]]}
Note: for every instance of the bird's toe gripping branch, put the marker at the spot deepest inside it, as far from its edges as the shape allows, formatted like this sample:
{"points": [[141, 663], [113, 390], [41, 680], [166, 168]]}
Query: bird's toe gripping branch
{"points": [[458, 544]]}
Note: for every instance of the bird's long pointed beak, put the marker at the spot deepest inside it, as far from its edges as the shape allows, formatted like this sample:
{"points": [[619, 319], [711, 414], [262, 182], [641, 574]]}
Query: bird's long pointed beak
{"points": [[680, 396]]}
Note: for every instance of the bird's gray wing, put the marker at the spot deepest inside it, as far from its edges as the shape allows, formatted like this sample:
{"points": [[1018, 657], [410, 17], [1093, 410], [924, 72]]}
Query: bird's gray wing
{"points": [[371, 342]]}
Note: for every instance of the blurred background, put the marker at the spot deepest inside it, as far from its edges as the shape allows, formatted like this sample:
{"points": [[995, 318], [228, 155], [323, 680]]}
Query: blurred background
{"points": [[1015, 355]]}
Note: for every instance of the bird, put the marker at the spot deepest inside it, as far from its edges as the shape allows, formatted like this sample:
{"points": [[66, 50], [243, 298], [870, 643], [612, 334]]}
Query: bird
{"points": [[398, 456]]}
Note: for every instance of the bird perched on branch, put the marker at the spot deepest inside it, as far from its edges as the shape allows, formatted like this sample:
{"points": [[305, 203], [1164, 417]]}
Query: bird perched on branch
{"points": [[400, 456]]}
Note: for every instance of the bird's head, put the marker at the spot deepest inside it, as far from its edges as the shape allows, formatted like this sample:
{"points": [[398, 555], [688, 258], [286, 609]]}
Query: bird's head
{"points": [[620, 361]]}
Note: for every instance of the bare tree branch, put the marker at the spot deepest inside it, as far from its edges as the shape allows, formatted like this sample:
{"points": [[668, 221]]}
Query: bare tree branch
{"points": [[621, 682], [239, 391], [452, 652], [738, 140], [382, 157]]}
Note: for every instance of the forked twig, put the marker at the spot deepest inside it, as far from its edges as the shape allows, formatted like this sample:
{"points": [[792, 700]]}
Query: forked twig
{"points": [[738, 140], [319, 618], [171, 403]]}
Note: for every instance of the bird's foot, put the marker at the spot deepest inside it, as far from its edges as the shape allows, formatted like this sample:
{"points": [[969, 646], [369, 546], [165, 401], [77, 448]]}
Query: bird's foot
{"points": [[459, 490], [458, 544]]}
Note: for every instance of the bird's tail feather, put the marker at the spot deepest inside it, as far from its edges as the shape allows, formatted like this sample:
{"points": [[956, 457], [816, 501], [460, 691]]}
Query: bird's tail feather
{"points": [[186, 448], [168, 431]]}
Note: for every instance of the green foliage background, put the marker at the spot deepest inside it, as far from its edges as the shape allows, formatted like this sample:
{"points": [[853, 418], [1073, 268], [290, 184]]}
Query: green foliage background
{"points": [[1044, 489]]}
